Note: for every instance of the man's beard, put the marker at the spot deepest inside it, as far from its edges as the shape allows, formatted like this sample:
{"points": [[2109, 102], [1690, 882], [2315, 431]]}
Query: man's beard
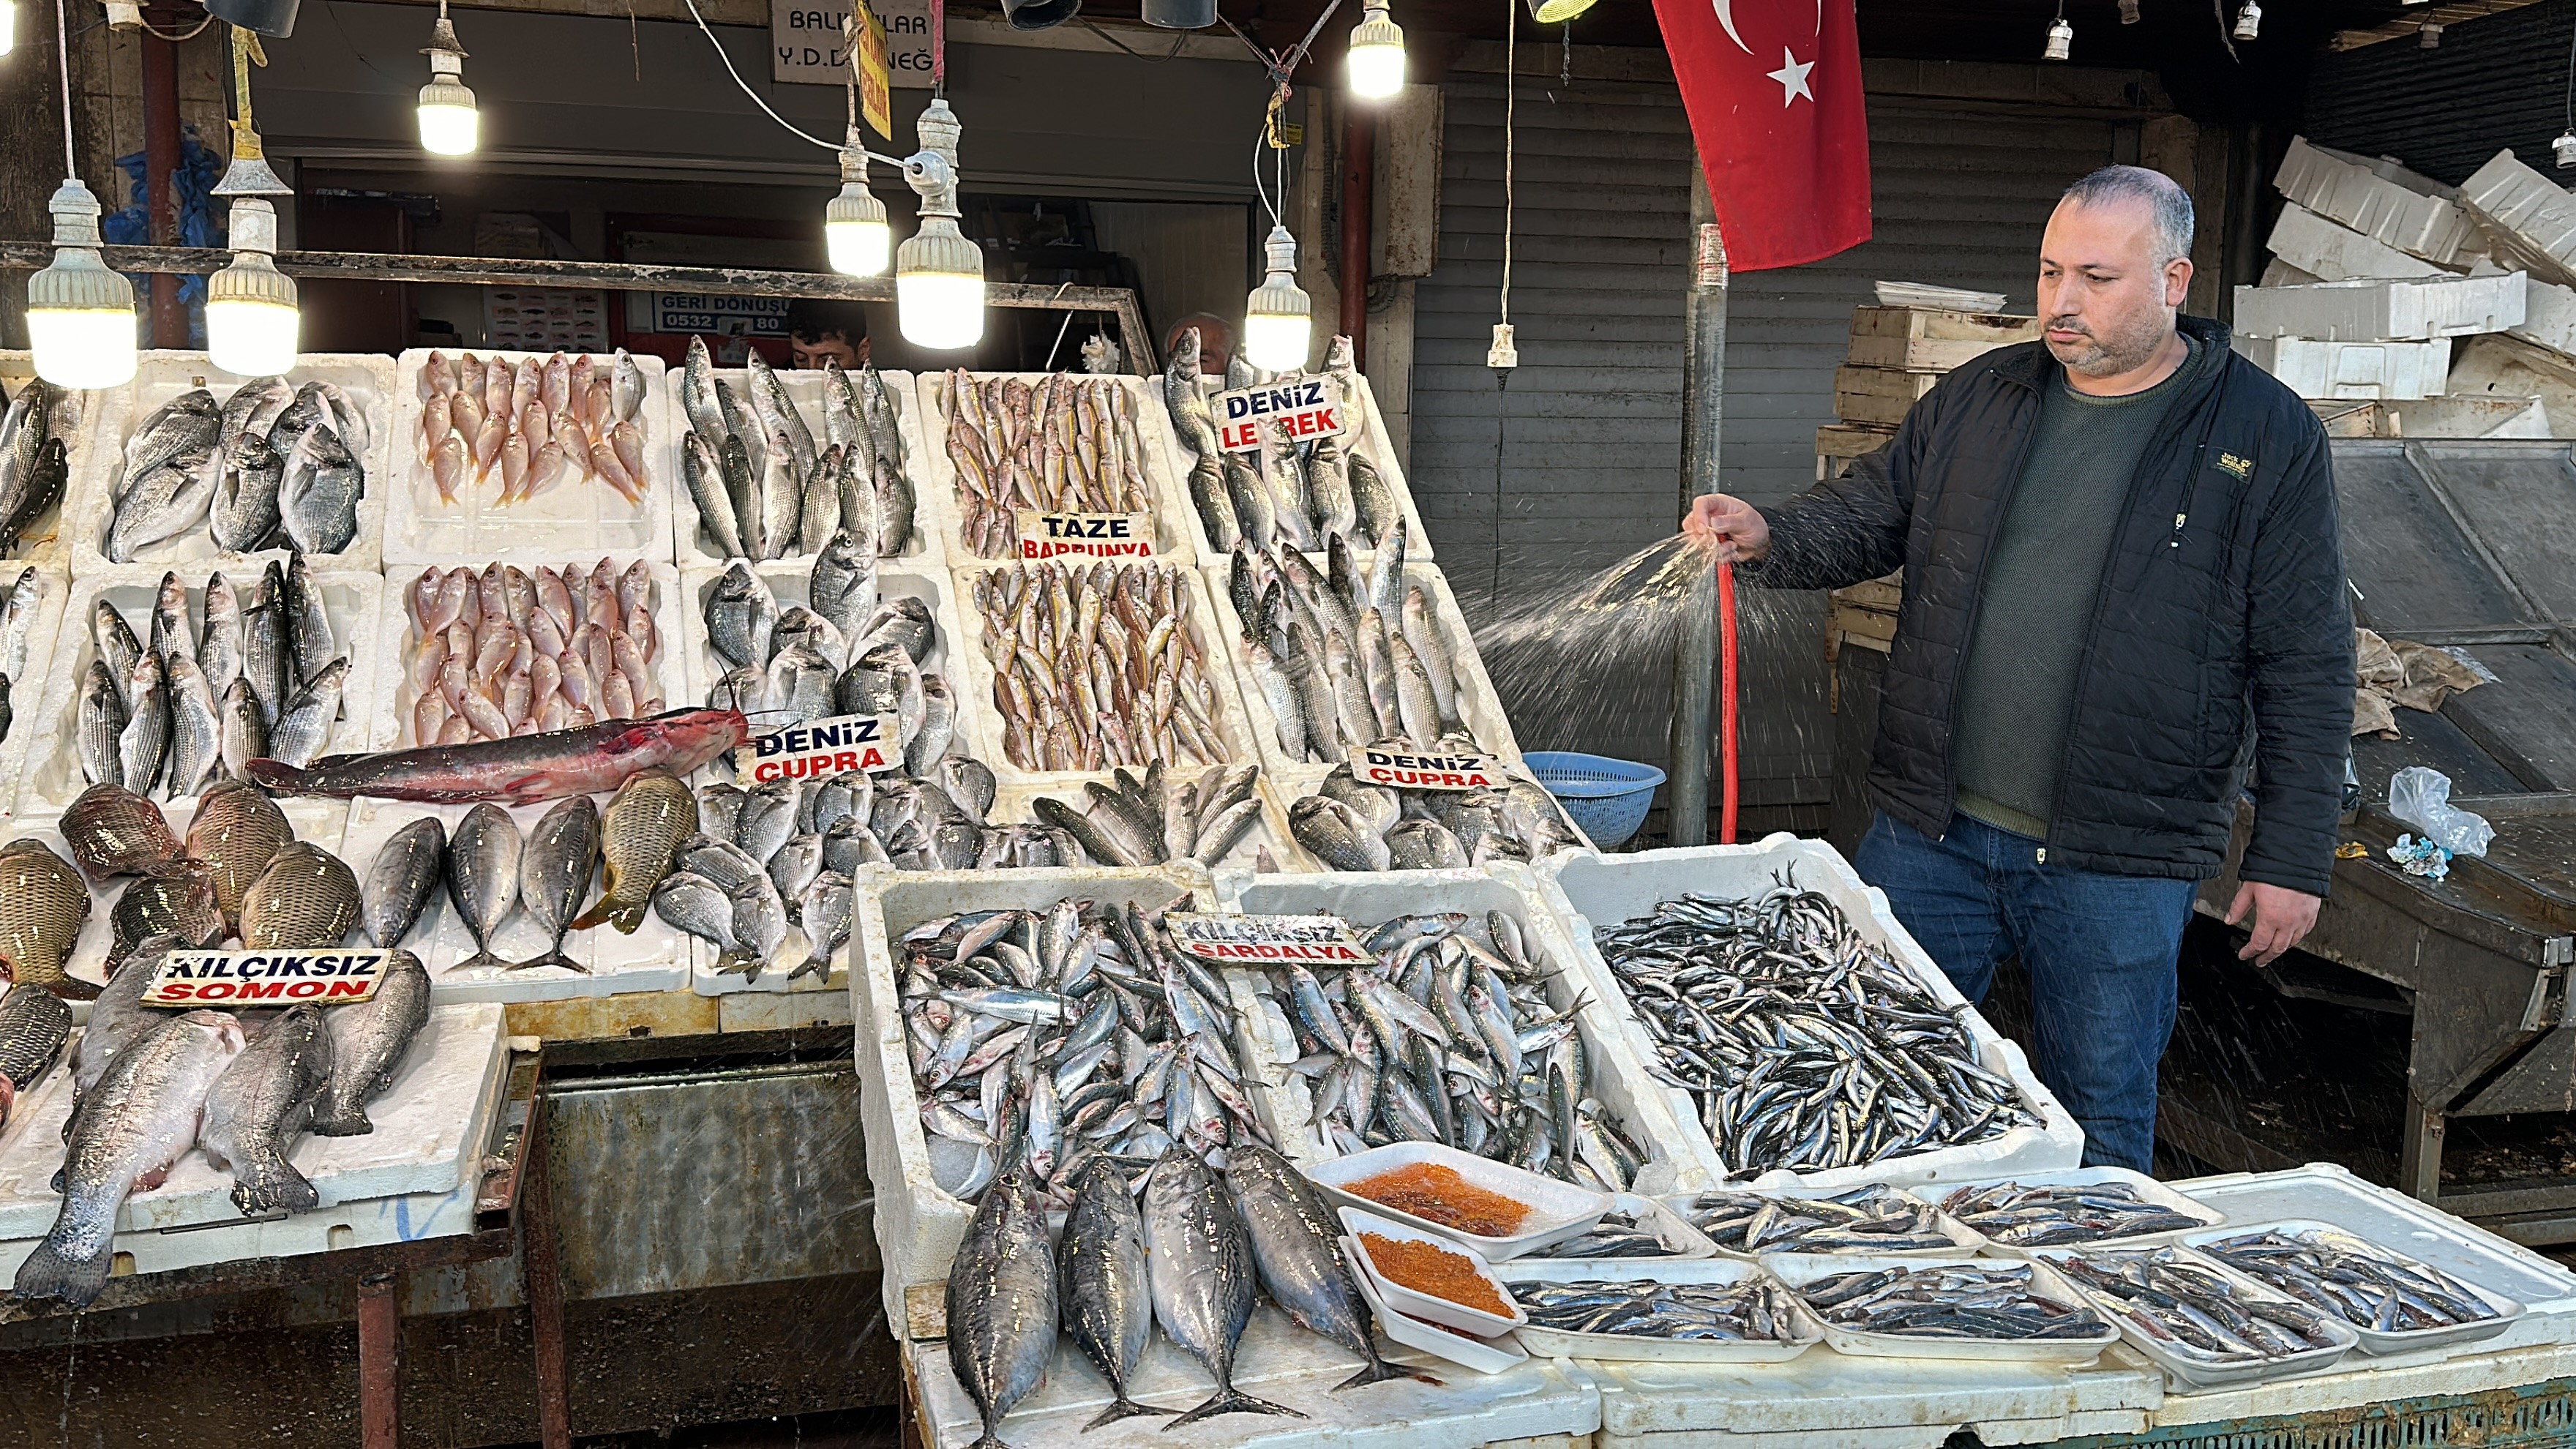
{"points": [[2092, 356]]}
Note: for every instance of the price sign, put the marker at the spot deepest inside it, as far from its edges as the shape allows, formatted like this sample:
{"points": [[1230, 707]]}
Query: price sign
{"points": [[1304, 407], [330, 975], [1268, 940], [1401, 771], [820, 749], [1085, 535]]}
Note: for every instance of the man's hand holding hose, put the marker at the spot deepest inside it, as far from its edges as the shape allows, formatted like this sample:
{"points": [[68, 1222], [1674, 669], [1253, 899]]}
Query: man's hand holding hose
{"points": [[1731, 529]]}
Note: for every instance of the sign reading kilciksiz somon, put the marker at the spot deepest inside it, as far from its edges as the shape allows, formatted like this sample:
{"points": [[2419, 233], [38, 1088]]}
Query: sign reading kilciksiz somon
{"points": [[331, 975]]}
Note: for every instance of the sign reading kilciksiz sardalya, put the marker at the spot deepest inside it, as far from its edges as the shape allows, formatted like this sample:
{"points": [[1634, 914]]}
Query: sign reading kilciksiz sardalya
{"points": [[1309, 941]]}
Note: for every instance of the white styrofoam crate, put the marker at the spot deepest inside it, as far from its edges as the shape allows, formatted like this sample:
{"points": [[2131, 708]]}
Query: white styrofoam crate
{"points": [[805, 389], [2408, 309], [2530, 219], [52, 778], [571, 519], [2314, 369], [2278, 273], [919, 1224], [430, 1126], [1590, 890], [978, 680], [397, 635], [27, 692], [1832, 1399], [2329, 251], [1167, 496], [2548, 317], [161, 376], [1621, 1077], [2380, 199], [80, 418]]}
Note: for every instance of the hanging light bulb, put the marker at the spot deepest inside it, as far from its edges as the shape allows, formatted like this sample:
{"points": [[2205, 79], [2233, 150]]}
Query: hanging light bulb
{"points": [[1376, 54], [2128, 12], [855, 233], [8, 26], [80, 315], [2061, 39], [1549, 12], [449, 124], [251, 316], [2429, 37], [2564, 148], [2249, 21], [938, 271], [1279, 318]]}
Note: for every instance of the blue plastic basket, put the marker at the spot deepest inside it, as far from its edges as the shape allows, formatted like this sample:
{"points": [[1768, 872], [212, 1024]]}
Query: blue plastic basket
{"points": [[1607, 797]]}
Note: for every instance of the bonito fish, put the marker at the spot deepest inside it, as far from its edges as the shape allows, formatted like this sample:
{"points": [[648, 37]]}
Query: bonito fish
{"points": [[1002, 1305], [1199, 1258]]}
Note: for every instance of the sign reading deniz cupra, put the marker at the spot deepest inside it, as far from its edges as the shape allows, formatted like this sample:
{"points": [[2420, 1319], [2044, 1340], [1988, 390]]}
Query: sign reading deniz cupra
{"points": [[820, 749], [1303, 408], [1272, 940], [1378, 765], [330, 975]]}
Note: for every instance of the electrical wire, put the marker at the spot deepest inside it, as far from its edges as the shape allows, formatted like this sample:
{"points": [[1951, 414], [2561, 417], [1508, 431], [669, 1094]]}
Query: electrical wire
{"points": [[1179, 40], [2571, 78], [1511, 101], [63, 55], [721, 55], [147, 29]]}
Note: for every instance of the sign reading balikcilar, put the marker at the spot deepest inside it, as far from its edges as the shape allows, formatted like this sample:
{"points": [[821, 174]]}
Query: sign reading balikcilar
{"points": [[1268, 940], [820, 749], [807, 43], [330, 975], [1380, 765], [1305, 408], [1085, 535]]}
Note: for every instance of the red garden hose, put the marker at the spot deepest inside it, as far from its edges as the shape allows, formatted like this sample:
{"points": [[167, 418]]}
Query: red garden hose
{"points": [[1726, 705]]}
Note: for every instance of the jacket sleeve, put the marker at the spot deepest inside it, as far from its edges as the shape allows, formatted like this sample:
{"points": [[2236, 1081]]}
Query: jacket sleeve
{"points": [[1849, 529], [2299, 637]]}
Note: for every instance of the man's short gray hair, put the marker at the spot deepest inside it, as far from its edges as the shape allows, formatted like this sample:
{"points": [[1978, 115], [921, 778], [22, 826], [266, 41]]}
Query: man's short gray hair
{"points": [[2166, 201]]}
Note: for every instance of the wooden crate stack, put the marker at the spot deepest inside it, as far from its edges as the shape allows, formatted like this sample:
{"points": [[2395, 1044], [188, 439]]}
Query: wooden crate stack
{"points": [[1896, 354]]}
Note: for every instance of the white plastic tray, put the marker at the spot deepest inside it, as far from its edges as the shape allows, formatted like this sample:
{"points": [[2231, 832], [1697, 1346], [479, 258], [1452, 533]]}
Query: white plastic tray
{"points": [[1484, 1355], [805, 389], [2378, 1342], [27, 693], [1431, 1308], [1629, 1347], [573, 519], [2181, 1363], [52, 778], [1964, 1240], [2148, 1189], [160, 376], [1592, 890], [1557, 1210], [935, 476], [48, 541], [1797, 1270]]}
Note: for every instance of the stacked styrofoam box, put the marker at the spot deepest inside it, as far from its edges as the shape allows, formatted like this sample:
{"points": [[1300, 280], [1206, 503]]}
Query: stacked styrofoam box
{"points": [[2530, 218], [159, 377], [1591, 891], [52, 778], [2386, 310], [919, 1223], [2329, 251], [1621, 1078], [27, 688], [79, 416], [2382, 200], [2352, 369], [805, 389], [572, 519], [1167, 494]]}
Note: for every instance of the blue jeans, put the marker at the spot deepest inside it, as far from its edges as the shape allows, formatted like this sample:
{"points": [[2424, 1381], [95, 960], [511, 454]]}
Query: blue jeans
{"points": [[2100, 950]]}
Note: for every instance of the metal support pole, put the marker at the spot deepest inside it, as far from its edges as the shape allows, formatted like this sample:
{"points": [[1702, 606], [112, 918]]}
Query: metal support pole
{"points": [[160, 163], [1359, 200], [1703, 409], [379, 1356], [544, 1285]]}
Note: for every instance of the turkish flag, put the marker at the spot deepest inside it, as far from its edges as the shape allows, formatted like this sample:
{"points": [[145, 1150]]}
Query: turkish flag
{"points": [[1785, 140]]}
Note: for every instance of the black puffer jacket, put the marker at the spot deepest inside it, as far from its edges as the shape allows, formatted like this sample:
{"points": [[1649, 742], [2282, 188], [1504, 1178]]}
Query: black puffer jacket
{"points": [[2222, 607]]}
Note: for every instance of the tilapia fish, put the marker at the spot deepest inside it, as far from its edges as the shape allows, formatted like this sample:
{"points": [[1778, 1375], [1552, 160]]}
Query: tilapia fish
{"points": [[1102, 1292], [1198, 1257], [1098, 666], [1065, 444], [1002, 1305], [369, 1042], [34, 1024], [261, 1104], [523, 426], [503, 652], [42, 905]]}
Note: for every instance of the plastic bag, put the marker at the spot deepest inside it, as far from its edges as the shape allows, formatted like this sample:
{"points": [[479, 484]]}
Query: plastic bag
{"points": [[2422, 798]]}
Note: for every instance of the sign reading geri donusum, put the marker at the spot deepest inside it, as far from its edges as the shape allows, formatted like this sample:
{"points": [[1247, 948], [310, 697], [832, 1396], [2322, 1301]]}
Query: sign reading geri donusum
{"points": [[1306, 407], [820, 749], [1085, 535], [1268, 940], [331, 975], [1379, 765]]}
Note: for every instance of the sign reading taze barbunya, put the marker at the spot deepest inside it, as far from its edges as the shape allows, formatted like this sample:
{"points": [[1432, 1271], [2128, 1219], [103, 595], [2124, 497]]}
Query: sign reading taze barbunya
{"points": [[1268, 940], [820, 749], [329, 975], [1304, 408], [1379, 765], [1085, 535]]}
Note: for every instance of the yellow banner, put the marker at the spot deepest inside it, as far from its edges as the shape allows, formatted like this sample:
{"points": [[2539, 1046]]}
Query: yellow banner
{"points": [[875, 73]]}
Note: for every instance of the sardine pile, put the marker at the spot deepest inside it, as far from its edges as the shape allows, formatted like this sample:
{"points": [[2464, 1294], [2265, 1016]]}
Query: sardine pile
{"points": [[1949, 1302], [1159, 818], [2362, 1283], [1042, 1039], [1349, 825], [504, 652], [1097, 666], [17, 631], [762, 488], [36, 429], [1805, 1045], [1450, 1039], [2026, 1216], [531, 425], [275, 466], [844, 651], [1755, 1310], [168, 711], [1288, 494], [1065, 444], [2186, 1306], [1869, 1219], [1345, 660]]}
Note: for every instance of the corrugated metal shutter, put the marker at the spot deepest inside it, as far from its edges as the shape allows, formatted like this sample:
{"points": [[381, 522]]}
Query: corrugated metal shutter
{"points": [[1592, 421], [2496, 82]]}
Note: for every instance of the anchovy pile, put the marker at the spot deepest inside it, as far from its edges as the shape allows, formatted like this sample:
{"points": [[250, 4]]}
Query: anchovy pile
{"points": [[2362, 1283], [1349, 825], [1870, 1219], [1043, 1039], [35, 455], [1619, 1235], [505, 652], [1098, 666], [1949, 1302], [1062, 444], [2188, 1307], [261, 678], [844, 651], [1755, 1310], [532, 425], [276, 466], [1343, 658], [762, 487], [1159, 818], [1291, 494], [1806, 1046], [1450, 1039], [2025, 1216]]}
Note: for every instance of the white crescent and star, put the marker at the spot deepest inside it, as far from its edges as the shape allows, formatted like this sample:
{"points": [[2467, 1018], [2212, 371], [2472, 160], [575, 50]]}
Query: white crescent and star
{"points": [[1792, 76]]}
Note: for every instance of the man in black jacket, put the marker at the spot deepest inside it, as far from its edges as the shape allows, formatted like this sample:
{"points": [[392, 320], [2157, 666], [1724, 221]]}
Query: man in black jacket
{"points": [[2122, 583]]}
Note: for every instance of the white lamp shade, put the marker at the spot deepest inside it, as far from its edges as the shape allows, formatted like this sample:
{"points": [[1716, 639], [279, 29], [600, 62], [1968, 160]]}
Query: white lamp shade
{"points": [[8, 26], [859, 248], [1275, 342], [83, 346], [448, 128], [1376, 71], [939, 310], [250, 338]]}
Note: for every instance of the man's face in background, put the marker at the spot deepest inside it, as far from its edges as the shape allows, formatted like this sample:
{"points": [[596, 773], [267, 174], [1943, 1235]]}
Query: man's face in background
{"points": [[809, 353]]}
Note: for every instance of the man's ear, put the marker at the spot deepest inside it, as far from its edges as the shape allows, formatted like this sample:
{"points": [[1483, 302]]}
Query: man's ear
{"points": [[2177, 281]]}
